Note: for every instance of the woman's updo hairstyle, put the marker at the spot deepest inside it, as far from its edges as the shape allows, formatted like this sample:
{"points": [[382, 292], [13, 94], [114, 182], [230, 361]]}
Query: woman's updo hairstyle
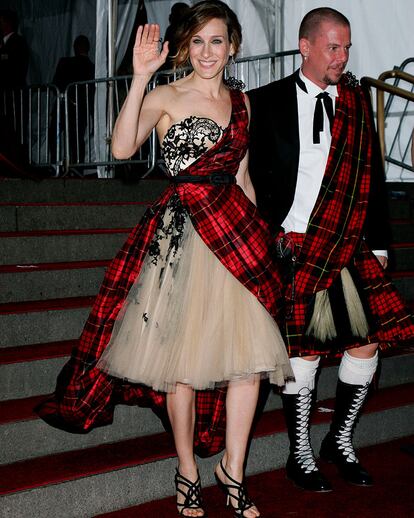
{"points": [[198, 16]]}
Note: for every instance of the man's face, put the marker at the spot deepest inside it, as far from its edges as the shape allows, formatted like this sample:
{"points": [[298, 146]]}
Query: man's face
{"points": [[326, 53]]}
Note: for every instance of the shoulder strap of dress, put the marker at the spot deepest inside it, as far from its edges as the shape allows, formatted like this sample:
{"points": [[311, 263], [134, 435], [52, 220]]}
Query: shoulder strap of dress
{"points": [[239, 108]]}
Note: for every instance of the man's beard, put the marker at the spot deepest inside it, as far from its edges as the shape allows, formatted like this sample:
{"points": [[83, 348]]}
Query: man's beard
{"points": [[329, 81]]}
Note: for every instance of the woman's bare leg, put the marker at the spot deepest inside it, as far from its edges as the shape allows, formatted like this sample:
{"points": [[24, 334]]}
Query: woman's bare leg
{"points": [[241, 403], [181, 411]]}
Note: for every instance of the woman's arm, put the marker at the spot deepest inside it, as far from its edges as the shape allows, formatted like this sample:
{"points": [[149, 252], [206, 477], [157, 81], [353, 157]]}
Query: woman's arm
{"points": [[140, 115], [243, 179]]}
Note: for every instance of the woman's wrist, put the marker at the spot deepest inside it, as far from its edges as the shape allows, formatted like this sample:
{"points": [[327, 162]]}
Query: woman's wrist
{"points": [[141, 76]]}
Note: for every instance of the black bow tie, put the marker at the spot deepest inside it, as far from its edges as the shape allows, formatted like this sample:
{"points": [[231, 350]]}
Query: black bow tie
{"points": [[318, 114]]}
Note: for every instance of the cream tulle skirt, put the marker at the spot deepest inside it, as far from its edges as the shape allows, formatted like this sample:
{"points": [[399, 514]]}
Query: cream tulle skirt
{"points": [[187, 319]]}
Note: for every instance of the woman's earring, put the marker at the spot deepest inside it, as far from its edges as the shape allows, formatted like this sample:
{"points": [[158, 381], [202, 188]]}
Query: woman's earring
{"points": [[230, 78]]}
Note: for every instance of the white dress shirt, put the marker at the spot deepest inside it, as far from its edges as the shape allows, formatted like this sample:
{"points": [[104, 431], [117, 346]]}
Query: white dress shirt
{"points": [[312, 157]]}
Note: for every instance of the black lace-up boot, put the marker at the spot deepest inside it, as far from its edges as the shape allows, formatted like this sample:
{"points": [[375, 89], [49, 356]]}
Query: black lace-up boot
{"points": [[301, 467], [337, 446]]}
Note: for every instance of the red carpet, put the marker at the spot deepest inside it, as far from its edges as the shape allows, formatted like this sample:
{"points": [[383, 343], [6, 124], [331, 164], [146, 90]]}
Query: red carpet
{"points": [[276, 497]]}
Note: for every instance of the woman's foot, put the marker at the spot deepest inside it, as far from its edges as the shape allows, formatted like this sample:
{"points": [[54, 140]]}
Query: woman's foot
{"points": [[227, 479], [188, 487]]}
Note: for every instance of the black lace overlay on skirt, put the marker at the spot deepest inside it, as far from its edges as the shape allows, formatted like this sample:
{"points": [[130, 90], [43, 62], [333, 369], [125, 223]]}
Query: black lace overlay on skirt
{"points": [[172, 230]]}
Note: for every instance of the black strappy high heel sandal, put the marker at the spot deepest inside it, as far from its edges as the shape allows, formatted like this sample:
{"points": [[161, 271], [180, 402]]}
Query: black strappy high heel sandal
{"points": [[192, 493], [243, 501]]}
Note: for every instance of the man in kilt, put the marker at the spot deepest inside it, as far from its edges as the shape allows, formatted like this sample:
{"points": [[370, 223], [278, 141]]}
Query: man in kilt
{"points": [[318, 175]]}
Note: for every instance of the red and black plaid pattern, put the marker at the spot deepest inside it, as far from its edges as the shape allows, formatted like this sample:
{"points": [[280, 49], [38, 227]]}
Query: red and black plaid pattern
{"points": [[335, 229], [228, 223]]}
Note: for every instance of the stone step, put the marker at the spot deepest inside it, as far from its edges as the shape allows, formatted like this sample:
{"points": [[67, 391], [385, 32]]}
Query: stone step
{"points": [[30, 438], [86, 482], [404, 282], [16, 190], [400, 208], [402, 230], [43, 321], [46, 247], [51, 280], [18, 422], [54, 190], [70, 190], [398, 189], [24, 218], [402, 256], [400, 200]]}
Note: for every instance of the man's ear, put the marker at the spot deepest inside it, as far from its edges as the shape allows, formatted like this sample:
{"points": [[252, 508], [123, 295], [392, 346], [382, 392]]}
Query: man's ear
{"points": [[304, 47]]}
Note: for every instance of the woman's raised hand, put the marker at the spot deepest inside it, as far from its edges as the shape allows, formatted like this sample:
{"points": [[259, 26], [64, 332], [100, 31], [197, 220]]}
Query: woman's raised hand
{"points": [[147, 57]]}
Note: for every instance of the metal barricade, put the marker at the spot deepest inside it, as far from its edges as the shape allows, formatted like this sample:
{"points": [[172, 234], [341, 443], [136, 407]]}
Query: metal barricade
{"points": [[90, 110], [31, 116]]}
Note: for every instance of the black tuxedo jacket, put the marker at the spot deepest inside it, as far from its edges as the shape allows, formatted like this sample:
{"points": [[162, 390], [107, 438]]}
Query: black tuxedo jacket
{"points": [[274, 159]]}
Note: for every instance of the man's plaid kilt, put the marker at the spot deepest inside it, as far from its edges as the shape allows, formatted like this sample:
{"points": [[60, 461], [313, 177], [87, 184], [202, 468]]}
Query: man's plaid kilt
{"points": [[230, 226], [390, 321]]}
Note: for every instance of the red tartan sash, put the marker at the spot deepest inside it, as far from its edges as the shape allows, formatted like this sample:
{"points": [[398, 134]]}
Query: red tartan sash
{"points": [[336, 224]]}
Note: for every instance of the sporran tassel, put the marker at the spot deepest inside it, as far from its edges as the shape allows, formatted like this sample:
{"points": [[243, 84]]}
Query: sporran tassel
{"points": [[322, 324], [357, 318]]}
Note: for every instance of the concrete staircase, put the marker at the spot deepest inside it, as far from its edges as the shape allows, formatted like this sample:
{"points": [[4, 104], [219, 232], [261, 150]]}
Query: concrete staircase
{"points": [[56, 238]]}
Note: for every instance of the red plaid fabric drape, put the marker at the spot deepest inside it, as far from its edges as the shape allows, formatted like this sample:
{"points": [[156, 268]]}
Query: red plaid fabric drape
{"points": [[229, 225]]}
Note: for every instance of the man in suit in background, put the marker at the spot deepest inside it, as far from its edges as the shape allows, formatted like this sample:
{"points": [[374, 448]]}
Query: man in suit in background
{"points": [[80, 99], [319, 181]]}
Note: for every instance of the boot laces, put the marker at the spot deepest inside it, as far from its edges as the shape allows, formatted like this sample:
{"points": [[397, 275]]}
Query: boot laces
{"points": [[344, 436], [303, 451]]}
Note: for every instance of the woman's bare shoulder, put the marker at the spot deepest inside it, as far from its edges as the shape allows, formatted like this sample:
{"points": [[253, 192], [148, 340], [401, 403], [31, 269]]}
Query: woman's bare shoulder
{"points": [[166, 95]]}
